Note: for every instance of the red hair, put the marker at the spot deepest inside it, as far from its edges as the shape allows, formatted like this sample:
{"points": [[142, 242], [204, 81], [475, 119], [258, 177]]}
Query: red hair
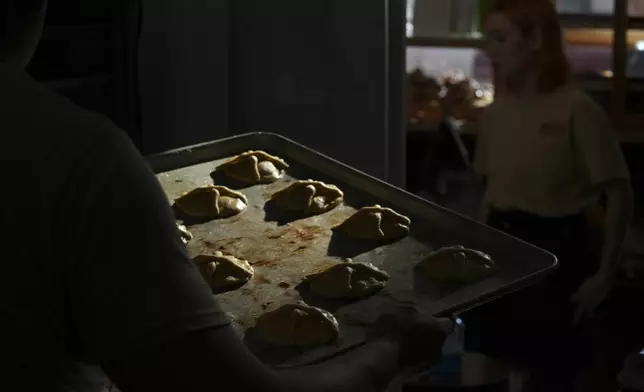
{"points": [[540, 16]]}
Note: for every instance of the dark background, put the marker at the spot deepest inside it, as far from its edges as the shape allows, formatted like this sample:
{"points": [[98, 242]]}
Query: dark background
{"points": [[171, 74], [327, 73]]}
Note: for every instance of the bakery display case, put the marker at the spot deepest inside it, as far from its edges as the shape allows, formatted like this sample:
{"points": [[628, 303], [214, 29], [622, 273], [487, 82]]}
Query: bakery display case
{"points": [[604, 43], [605, 47], [451, 95]]}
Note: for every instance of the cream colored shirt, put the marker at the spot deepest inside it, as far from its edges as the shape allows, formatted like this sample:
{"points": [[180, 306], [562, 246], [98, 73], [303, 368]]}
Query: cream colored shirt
{"points": [[547, 154]]}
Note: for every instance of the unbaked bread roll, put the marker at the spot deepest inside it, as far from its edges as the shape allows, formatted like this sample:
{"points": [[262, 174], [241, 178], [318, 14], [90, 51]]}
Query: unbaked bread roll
{"points": [[297, 325], [309, 197], [223, 272], [254, 167], [376, 223], [348, 281], [457, 264], [212, 201]]}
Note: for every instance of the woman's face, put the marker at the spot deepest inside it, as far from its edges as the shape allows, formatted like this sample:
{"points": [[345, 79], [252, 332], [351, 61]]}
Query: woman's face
{"points": [[509, 50]]}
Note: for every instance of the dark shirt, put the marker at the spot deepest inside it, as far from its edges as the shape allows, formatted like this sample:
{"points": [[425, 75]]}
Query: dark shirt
{"points": [[93, 268]]}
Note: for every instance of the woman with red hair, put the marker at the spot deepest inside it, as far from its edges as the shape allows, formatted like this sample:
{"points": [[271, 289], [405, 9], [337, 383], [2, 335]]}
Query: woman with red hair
{"points": [[548, 155]]}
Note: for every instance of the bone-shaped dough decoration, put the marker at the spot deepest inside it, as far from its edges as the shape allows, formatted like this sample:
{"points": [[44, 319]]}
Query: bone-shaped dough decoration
{"points": [[186, 236], [348, 280], [309, 197], [223, 272], [212, 201], [297, 325], [457, 264], [376, 223], [254, 167]]}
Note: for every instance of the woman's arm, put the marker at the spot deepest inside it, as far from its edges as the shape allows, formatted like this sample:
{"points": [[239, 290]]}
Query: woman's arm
{"points": [[617, 218], [619, 211], [601, 157]]}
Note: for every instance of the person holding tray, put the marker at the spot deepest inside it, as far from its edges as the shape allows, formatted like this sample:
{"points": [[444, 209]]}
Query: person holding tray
{"points": [[548, 156], [631, 378], [94, 271]]}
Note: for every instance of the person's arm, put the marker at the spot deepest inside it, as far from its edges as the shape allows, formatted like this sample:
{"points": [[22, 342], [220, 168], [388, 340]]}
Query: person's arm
{"points": [[603, 162], [138, 306], [216, 359], [631, 378], [617, 218]]}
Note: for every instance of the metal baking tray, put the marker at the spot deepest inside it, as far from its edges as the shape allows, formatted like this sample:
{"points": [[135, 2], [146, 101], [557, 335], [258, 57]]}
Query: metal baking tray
{"points": [[284, 251]]}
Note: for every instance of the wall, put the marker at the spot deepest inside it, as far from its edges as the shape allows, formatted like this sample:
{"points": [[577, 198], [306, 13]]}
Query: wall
{"points": [[183, 72], [432, 18], [439, 17], [322, 72], [318, 72]]}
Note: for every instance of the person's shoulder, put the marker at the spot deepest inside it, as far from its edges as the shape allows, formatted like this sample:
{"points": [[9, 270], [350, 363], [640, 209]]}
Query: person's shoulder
{"points": [[45, 130], [491, 114], [578, 99], [32, 108]]}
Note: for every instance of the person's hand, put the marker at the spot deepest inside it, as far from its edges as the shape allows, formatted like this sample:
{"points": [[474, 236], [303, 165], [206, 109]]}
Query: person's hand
{"points": [[632, 375], [419, 336], [591, 294]]}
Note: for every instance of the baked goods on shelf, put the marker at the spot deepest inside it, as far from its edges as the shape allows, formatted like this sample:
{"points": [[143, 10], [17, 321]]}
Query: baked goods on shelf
{"points": [[424, 95], [452, 94], [458, 88], [457, 264], [464, 98], [348, 281], [309, 197], [223, 272], [297, 325], [424, 87], [254, 167], [212, 201], [376, 223]]}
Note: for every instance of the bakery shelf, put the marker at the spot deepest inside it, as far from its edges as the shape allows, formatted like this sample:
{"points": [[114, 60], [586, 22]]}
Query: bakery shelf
{"points": [[597, 21], [474, 40]]}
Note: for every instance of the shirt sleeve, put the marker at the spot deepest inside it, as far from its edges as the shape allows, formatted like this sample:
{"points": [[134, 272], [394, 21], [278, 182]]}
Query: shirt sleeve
{"points": [[596, 144], [129, 280]]}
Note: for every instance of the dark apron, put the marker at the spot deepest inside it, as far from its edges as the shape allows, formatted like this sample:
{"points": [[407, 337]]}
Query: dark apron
{"points": [[533, 327]]}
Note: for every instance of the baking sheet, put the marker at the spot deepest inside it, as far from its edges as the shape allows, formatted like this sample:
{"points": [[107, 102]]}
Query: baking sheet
{"points": [[284, 250]]}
